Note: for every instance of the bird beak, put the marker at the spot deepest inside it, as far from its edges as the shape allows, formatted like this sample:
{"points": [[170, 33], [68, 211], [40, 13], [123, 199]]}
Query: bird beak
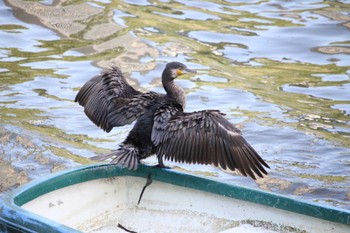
{"points": [[185, 71]]}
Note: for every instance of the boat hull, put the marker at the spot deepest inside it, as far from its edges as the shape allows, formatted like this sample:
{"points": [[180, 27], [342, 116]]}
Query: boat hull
{"points": [[104, 198]]}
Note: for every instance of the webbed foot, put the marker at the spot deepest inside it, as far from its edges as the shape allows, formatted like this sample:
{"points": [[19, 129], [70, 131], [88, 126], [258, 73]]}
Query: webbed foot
{"points": [[161, 164]]}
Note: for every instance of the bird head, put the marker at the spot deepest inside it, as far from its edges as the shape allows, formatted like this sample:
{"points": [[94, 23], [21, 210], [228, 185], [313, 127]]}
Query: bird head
{"points": [[176, 69]]}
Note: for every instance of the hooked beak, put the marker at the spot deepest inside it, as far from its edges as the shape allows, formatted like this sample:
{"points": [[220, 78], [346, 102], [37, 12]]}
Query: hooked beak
{"points": [[186, 71]]}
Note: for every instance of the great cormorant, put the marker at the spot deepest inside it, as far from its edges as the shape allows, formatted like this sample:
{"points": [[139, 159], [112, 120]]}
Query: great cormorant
{"points": [[162, 127]]}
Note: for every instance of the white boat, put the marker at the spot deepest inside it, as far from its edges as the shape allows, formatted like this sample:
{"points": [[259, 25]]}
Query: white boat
{"points": [[104, 198]]}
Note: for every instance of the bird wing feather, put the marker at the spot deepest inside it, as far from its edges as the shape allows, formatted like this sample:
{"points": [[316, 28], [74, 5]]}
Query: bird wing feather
{"points": [[109, 100], [204, 137]]}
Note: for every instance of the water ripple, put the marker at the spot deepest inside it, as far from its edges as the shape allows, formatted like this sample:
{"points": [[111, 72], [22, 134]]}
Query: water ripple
{"points": [[278, 69]]}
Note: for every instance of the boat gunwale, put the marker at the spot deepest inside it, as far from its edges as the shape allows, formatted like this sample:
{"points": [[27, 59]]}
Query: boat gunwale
{"points": [[11, 212]]}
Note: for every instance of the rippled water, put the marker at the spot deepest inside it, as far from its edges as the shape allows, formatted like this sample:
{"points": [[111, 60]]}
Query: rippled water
{"points": [[279, 69]]}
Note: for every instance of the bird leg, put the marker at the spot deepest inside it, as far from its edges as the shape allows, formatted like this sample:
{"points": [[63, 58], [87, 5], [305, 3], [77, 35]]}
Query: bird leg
{"points": [[148, 182], [160, 163]]}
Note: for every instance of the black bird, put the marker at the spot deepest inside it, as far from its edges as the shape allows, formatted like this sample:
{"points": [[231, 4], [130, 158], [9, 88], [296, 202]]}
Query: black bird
{"points": [[162, 127]]}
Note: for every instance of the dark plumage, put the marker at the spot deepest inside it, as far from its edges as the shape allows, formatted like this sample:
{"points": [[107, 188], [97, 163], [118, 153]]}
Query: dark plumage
{"points": [[162, 127]]}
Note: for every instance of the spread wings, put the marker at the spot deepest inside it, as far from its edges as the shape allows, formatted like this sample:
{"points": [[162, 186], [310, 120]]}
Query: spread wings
{"points": [[109, 101], [204, 137]]}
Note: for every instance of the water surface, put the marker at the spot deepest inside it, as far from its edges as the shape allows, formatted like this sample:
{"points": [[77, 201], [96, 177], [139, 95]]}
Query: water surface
{"points": [[280, 70]]}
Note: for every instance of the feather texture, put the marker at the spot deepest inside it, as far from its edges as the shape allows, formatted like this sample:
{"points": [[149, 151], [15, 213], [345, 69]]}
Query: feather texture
{"points": [[162, 126], [204, 137], [109, 100]]}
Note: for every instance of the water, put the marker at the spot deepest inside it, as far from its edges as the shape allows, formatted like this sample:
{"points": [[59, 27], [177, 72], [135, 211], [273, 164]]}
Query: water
{"points": [[280, 70]]}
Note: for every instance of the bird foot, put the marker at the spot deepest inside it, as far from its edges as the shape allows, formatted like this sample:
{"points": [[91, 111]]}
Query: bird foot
{"points": [[161, 166]]}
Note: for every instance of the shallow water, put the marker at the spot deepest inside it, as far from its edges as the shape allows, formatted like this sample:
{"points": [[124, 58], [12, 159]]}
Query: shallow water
{"points": [[278, 69]]}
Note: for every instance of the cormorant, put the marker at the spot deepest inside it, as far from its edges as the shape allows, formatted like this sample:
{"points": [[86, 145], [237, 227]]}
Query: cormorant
{"points": [[162, 127]]}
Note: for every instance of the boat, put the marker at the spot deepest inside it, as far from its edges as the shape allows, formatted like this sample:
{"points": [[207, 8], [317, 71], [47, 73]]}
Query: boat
{"points": [[106, 198]]}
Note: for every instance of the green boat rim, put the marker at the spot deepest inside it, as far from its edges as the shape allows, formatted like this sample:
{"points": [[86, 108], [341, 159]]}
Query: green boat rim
{"points": [[15, 217]]}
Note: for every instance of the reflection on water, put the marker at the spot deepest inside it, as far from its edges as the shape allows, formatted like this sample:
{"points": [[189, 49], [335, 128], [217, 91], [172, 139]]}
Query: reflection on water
{"points": [[279, 69]]}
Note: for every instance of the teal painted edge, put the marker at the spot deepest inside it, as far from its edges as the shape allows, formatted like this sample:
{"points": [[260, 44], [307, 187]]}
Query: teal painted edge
{"points": [[12, 215]]}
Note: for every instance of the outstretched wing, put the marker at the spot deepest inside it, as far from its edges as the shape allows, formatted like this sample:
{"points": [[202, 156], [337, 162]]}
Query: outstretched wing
{"points": [[204, 137], [109, 100]]}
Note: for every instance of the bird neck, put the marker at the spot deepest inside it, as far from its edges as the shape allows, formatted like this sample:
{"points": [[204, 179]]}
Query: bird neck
{"points": [[175, 92]]}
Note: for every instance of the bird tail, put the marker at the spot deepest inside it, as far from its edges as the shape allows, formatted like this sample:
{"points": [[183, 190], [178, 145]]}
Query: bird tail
{"points": [[126, 157]]}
